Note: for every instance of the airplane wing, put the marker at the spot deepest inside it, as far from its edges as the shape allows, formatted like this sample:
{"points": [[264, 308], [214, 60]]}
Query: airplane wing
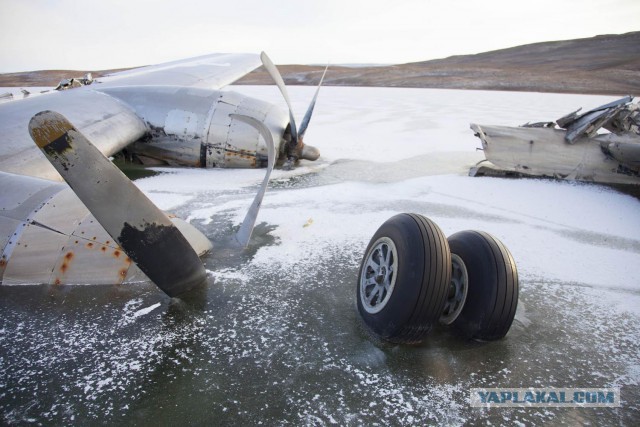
{"points": [[208, 71], [48, 231], [109, 123]]}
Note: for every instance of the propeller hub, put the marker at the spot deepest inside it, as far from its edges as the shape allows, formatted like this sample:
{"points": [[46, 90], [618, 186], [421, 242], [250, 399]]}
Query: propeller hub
{"points": [[309, 152], [295, 147]]}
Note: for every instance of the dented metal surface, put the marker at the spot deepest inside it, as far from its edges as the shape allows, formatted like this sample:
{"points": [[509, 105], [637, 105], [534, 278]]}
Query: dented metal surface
{"points": [[244, 234], [193, 127], [43, 248], [144, 232], [155, 123], [48, 235], [601, 145], [295, 148], [75, 82], [109, 123]]}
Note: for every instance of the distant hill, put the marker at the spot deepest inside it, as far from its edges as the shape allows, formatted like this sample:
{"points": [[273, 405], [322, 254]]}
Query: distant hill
{"points": [[607, 64]]}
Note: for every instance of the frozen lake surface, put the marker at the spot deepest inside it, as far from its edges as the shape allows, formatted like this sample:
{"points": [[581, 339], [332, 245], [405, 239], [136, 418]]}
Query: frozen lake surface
{"points": [[275, 338]]}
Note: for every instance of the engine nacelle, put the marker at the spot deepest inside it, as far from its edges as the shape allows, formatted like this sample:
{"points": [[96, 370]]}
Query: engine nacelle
{"points": [[193, 127]]}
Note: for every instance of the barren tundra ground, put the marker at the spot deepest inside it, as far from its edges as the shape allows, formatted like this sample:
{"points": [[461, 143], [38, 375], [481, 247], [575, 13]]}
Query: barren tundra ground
{"points": [[608, 64]]}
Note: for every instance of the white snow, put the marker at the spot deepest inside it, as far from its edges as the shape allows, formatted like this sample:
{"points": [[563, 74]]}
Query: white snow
{"points": [[146, 310], [278, 331], [558, 231]]}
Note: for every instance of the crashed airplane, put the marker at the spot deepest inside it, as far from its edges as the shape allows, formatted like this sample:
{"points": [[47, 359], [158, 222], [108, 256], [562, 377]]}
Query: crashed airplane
{"points": [[601, 145], [98, 228]]}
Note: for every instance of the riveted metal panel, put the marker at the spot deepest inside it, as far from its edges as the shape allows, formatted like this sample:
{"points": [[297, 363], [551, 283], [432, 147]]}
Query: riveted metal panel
{"points": [[22, 194], [34, 256], [188, 126], [90, 229], [218, 133], [254, 108], [35, 224], [119, 206], [85, 262], [231, 143], [9, 229], [226, 104], [162, 105], [245, 146], [277, 121], [182, 123], [214, 154], [231, 97], [63, 212], [255, 143]]}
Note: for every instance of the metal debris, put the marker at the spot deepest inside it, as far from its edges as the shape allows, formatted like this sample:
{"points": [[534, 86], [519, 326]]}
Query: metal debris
{"points": [[75, 82], [576, 149]]}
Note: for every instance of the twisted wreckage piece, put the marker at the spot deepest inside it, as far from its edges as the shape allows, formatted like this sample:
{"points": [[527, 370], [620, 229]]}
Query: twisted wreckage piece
{"points": [[98, 228], [601, 145]]}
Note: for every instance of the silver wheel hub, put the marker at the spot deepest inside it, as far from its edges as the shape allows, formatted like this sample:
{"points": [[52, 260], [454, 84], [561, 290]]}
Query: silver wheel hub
{"points": [[378, 276], [458, 288]]}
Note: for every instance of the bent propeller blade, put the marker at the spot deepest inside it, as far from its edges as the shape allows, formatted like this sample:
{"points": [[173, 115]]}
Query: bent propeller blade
{"points": [[143, 231], [244, 234], [307, 115], [277, 78]]}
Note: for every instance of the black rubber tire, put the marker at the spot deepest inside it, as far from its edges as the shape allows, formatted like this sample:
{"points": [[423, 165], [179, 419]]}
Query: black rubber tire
{"points": [[492, 295], [421, 280]]}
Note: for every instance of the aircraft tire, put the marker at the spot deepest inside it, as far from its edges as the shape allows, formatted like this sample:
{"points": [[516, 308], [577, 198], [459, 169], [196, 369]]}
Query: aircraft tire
{"points": [[403, 278], [492, 294]]}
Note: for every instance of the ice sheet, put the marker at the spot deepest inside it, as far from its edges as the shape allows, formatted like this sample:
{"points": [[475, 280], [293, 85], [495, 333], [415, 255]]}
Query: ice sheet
{"points": [[579, 233], [274, 338]]}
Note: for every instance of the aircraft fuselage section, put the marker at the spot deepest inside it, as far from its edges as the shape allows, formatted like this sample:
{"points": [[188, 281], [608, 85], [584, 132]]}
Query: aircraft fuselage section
{"points": [[194, 127], [158, 124]]}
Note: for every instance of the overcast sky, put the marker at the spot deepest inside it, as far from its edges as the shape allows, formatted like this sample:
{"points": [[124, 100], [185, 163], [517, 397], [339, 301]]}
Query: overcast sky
{"points": [[94, 35]]}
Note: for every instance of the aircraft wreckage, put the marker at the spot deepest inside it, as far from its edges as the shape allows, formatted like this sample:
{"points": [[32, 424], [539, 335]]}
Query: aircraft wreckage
{"points": [[601, 145], [99, 228]]}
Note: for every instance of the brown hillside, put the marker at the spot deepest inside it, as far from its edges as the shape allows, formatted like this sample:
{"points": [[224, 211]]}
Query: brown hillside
{"points": [[608, 64]]}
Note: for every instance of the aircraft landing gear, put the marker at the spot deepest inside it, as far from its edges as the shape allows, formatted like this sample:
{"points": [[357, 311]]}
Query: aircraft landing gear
{"points": [[403, 278], [411, 277], [492, 295]]}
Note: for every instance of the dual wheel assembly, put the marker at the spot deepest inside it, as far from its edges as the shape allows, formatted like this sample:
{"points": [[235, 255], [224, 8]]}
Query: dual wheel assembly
{"points": [[412, 277]]}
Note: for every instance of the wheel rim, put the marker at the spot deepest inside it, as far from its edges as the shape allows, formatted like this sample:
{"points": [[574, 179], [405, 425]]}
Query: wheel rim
{"points": [[457, 291], [378, 276]]}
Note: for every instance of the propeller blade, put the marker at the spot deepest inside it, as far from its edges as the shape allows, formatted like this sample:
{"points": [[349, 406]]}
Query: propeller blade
{"points": [[307, 116], [277, 78], [244, 234], [143, 231]]}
